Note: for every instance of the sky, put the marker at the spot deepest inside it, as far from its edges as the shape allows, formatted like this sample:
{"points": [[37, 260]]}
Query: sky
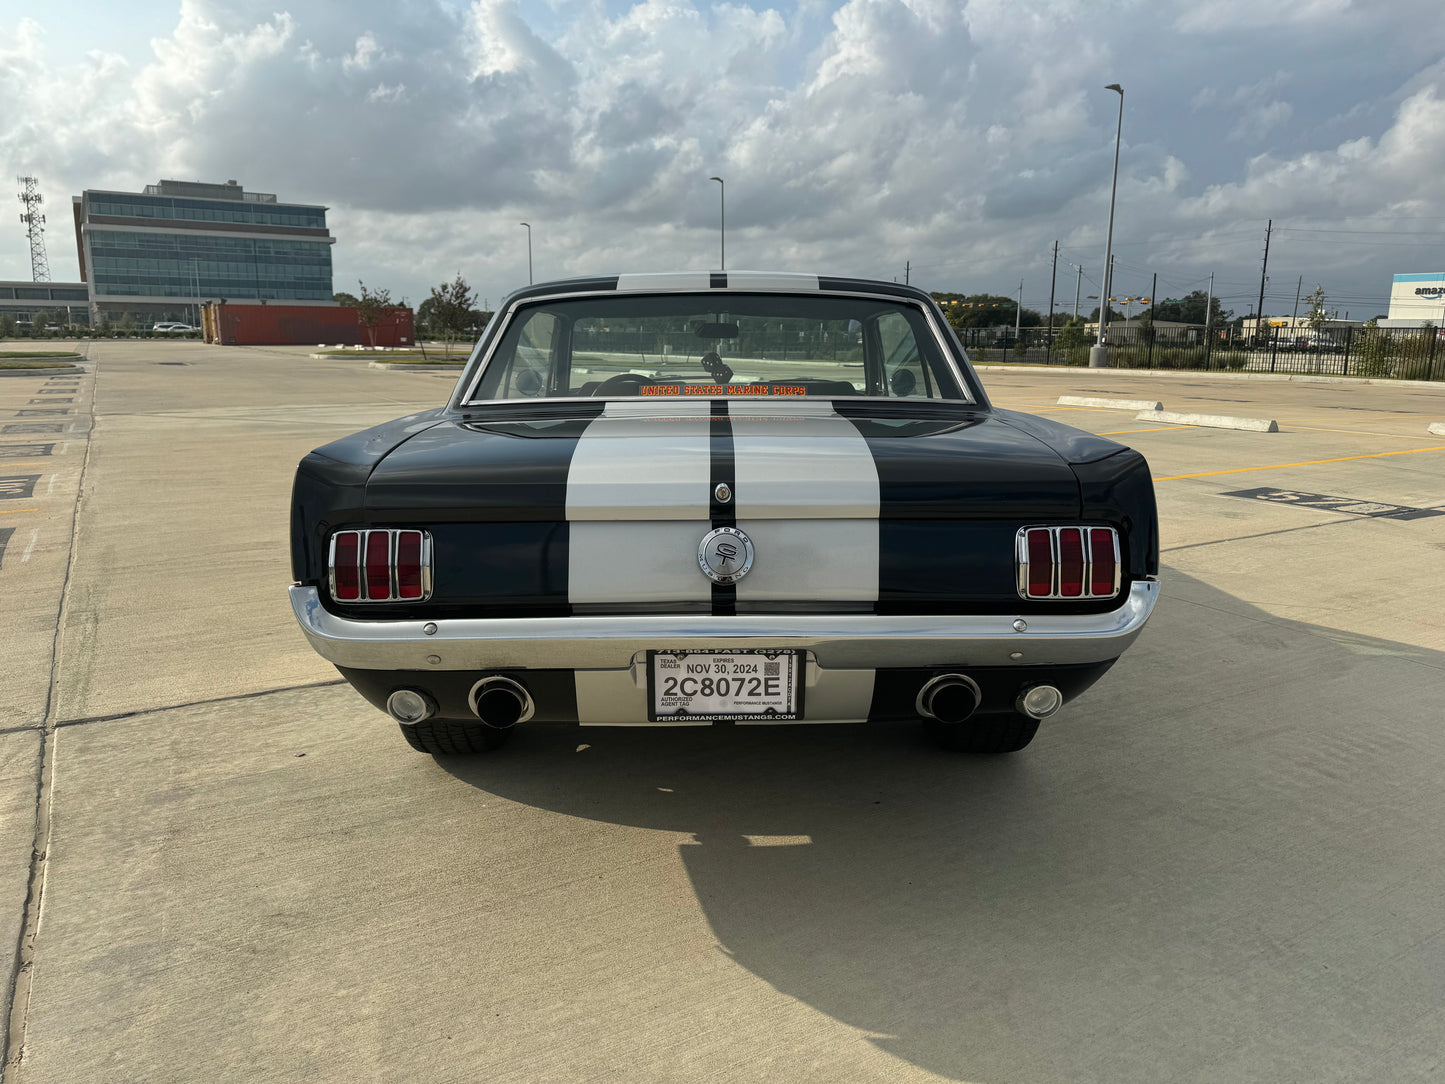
{"points": [[951, 142]]}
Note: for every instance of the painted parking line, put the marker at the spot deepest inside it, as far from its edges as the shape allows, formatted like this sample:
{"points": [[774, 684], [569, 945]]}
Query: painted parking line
{"points": [[1121, 432], [1305, 463], [1351, 432], [16, 511]]}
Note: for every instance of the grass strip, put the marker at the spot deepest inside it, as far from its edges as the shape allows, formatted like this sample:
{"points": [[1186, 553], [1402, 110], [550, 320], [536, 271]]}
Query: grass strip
{"points": [[6, 364]]}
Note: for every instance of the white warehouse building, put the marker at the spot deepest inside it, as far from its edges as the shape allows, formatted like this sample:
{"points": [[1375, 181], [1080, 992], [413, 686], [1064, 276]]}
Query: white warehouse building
{"points": [[1417, 300]]}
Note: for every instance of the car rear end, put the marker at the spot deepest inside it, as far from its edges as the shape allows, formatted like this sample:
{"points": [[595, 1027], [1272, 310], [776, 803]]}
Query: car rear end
{"points": [[810, 537]]}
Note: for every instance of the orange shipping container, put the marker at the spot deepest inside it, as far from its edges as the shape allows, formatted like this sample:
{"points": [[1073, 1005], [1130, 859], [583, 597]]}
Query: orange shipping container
{"points": [[285, 325]]}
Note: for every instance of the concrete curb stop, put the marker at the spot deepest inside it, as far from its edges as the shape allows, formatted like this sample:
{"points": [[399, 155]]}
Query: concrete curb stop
{"points": [[1438, 428], [1211, 421], [1109, 404]]}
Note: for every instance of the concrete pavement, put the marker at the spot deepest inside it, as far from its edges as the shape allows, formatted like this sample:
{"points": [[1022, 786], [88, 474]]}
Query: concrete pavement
{"points": [[1224, 862]]}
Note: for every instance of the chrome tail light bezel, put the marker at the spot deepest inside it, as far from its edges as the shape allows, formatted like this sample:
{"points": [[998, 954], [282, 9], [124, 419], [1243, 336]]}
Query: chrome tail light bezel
{"points": [[393, 535], [1087, 594]]}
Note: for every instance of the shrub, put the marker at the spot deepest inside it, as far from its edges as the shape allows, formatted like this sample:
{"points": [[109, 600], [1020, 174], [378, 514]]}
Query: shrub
{"points": [[1377, 351]]}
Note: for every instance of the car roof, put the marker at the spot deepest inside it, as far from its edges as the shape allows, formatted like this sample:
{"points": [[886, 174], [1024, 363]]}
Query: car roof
{"points": [[707, 281]]}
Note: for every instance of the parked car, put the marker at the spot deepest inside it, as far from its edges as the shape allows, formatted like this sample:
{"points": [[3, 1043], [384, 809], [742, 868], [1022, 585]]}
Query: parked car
{"points": [[741, 497], [173, 327]]}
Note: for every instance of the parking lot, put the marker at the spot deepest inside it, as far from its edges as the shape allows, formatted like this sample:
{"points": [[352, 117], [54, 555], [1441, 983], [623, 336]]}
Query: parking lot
{"points": [[1225, 862]]}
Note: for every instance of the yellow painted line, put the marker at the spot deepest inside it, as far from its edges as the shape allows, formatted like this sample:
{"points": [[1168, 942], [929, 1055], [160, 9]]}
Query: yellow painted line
{"points": [[12, 511], [1306, 463], [1164, 429], [1352, 432]]}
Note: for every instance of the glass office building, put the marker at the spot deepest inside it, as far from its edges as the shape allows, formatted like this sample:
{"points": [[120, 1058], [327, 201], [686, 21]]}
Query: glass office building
{"points": [[163, 252], [60, 303]]}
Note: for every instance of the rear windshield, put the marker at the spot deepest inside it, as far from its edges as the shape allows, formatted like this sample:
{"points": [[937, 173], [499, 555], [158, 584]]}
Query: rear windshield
{"points": [[680, 345]]}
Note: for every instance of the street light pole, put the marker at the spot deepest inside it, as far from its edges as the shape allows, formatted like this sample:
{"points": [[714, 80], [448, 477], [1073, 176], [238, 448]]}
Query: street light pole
{"points": [[722, 223], [529, 250], [1099, 355]]}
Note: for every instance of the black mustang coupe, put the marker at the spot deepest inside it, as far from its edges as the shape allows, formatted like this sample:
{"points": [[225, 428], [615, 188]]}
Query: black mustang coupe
{"points": [[742, 497]]}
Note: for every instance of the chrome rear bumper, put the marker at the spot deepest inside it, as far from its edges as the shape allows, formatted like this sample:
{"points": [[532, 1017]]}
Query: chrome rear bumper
{"points": [[836, 641]]}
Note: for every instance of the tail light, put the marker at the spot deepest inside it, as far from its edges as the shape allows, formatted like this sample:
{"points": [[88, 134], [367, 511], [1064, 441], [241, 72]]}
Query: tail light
{"points": [[380, 566], [1068, 562]]}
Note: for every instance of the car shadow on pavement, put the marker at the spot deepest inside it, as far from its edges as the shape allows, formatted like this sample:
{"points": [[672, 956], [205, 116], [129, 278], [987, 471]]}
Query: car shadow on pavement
{"points": [[1212, 864]]}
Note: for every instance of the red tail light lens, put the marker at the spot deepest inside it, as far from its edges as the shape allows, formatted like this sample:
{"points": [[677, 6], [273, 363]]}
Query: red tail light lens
{"points": [[1041, 562], [345, 562], [378, 565], [1071, 562], [1068, 562], [1103, 562], [408, 564]]}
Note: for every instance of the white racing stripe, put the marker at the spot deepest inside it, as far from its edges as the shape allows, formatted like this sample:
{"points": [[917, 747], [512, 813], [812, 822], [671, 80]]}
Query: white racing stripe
{"points": [[771, 280], [637, 502], [664, 280], [642, 461], [807, 495]]}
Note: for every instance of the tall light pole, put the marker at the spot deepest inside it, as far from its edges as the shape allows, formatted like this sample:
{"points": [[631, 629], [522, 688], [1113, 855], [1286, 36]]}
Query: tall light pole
{"points": [[1099, 355], [722, 223], [529, 250]]}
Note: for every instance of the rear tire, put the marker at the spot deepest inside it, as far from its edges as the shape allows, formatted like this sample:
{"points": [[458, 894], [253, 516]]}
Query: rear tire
{"points": [[440, 736], [990, 734]]}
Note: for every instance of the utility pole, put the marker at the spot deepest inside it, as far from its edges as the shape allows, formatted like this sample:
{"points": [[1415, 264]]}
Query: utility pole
{"points": [[34, 228], [1294, 320], [722, 223], [1019, 312], [1078, 284], [907, 269], [1153, 286], [1208, 319], [1259, 309], [1053, 281]]}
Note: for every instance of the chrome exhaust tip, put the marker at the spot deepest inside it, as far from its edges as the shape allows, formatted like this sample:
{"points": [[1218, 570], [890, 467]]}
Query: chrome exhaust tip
{"points": [[949, 698], [410, 706], [1038, 701], [501, 702]]}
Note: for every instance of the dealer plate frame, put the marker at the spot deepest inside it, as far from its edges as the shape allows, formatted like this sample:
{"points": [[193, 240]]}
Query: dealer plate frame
{"points": [[797, 662]]}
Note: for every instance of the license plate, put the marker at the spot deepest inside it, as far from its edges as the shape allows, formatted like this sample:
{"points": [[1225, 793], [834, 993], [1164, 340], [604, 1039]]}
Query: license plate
{"points": [[724, 686]]}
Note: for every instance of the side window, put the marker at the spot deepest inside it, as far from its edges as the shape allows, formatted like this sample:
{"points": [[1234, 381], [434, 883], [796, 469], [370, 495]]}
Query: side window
{"points": [[529, 370], [903, 369]]}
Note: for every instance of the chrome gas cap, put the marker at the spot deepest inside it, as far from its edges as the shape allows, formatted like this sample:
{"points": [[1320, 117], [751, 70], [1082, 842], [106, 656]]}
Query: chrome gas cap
{"points": [[725, 555]]}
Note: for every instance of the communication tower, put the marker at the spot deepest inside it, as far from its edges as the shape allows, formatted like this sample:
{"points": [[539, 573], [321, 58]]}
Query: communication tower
{"points": [[34, 227]]}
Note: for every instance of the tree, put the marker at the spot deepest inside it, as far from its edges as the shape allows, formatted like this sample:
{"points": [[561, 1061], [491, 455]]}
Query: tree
{"points": [[1115, 316], [449, 308], [343, 298], [1377, 351], [1316, 302], [1190, 310], [1073, 336], [984, 310], [7, 326], [370, 308]]}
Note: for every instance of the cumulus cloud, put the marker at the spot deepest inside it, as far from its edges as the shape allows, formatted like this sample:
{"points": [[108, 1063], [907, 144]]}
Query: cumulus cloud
{"points": [[964, 136]]}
